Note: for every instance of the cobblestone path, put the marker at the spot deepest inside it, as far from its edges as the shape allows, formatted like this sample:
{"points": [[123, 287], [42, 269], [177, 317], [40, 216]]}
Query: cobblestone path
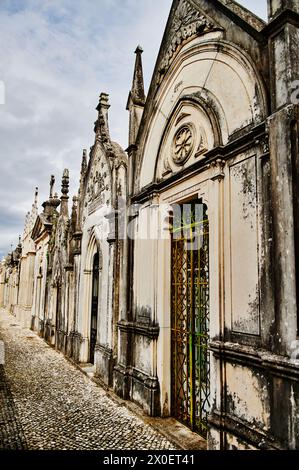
{"points": [[46, 403], [11, 433]]}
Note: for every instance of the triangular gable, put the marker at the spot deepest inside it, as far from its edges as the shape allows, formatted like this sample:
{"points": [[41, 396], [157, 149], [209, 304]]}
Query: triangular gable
{"points": [[201, 22], [187, 21], [39, 227], [191, 18]]}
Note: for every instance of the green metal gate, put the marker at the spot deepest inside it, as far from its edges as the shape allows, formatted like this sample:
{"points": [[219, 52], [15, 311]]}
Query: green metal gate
{"points": [[190, 316]]}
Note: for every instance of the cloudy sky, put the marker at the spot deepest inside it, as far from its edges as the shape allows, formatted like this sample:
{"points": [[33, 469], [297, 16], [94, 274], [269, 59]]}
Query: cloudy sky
{"points": [[56, 57]]}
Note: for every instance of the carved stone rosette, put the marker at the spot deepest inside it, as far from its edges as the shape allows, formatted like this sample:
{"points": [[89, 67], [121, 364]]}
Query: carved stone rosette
{"points": [[183, 144]]}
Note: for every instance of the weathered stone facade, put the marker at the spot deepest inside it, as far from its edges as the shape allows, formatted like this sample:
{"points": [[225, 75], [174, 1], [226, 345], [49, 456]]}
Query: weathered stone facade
{"points": [[219, 126]]}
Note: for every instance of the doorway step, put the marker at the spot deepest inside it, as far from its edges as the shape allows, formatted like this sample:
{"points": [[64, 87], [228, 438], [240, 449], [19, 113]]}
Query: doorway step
{"points": [[88, 369]]}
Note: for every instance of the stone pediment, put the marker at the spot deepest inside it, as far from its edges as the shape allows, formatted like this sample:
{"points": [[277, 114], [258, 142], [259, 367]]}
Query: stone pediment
{"points": [[98, 191], [40, 226], [187, 22], [189, 134]]}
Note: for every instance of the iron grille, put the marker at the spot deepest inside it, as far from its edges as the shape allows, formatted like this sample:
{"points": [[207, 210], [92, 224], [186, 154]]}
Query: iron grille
{"points": [[190, 316]]}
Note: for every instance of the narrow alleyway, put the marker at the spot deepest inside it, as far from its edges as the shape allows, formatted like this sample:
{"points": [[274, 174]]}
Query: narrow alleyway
{"points": [[46, 403]]}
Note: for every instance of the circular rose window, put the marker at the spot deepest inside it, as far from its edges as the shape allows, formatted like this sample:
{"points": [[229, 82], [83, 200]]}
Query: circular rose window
{"points": [[183, 145]]}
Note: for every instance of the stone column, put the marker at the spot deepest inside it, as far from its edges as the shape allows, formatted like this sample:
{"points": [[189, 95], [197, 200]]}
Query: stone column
{"points": [[217, 300], [283, 33]]}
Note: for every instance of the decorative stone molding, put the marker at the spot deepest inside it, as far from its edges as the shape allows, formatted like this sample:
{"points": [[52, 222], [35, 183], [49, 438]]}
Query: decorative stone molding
{"points": [[240, 354], [202, 148], [245, 14], [149, 331], [69, 267], [181, 117], [130, 383], [150, 382], [264, 143], [105, 350], [134, 211], [240, 428], [166, 168], [77, 243], [112, 217], [218, 167], [187, 22]]}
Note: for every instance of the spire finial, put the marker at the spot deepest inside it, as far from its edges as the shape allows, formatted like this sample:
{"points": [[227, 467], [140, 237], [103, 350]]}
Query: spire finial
{"points": [[52, 182], [65, 182], [64, 193], [102, 125], [136, 99], [104, 100], [36, 197], [138, 50], [84, 162], [137, 91]]}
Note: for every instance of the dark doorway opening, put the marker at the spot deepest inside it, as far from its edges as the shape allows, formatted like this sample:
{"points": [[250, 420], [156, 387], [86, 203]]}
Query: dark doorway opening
{"points": [[94, 307]]}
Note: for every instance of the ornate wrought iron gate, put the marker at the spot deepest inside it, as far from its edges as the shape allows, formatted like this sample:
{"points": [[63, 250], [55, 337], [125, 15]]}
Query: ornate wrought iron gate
{"points": [[94, 307], [190, 316]]}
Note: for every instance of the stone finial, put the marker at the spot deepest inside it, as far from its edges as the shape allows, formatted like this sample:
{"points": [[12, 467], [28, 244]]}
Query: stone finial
{"points": [[84, 162], [104, 101], [136, 99], [19, 248], [65, 183], [138, 50], [36, 198], [34, 211], [137, 94], [102, 124], [52, 182], [64, 193], [74, 213], [27, 220], [52, 203]]}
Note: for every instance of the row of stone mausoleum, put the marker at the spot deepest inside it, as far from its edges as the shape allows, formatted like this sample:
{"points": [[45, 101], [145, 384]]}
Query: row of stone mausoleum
{"points": [[174, 271]]}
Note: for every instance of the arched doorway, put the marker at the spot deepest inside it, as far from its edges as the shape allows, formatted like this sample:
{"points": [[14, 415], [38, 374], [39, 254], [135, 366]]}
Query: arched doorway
{"points": [[58, 312], [94, 306], [58, 307], [190, 316]]}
